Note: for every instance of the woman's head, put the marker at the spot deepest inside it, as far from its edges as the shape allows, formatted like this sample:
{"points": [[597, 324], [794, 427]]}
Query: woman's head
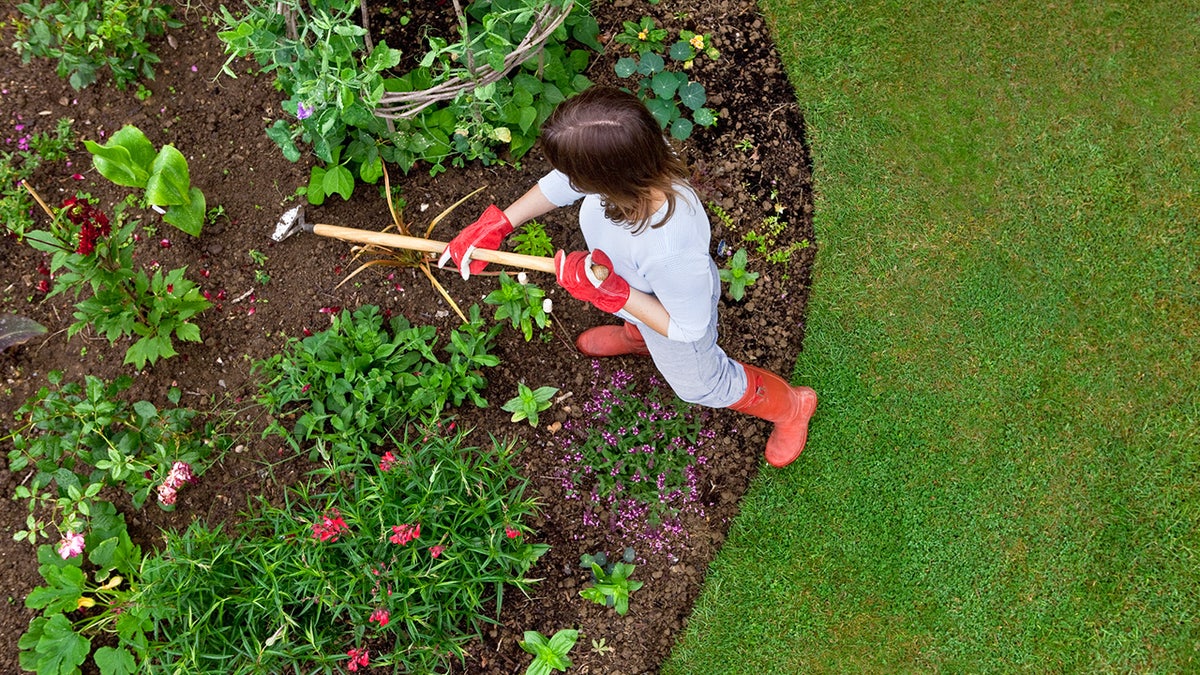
{"points": [[608, 143]]}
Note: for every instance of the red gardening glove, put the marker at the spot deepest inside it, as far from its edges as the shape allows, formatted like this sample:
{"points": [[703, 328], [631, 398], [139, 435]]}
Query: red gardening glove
{"points": [[574, 272], [487, 232]]}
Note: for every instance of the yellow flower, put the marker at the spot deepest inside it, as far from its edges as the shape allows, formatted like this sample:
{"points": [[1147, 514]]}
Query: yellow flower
{"points": [[697, 42], [85, 602], [112, 583], [642, 35]]}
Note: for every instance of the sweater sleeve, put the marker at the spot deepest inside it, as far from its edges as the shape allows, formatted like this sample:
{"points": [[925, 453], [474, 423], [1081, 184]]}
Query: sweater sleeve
{"points": [[683, 283], [556, 187]]}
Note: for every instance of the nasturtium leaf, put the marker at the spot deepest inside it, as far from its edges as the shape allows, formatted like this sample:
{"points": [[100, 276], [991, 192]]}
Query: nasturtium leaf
{"points": [[625, 67], [663, 110], [681, 51], [705, 117], [692, 94], [681, 128], [651, 63], [664, 84], [169, 181]]}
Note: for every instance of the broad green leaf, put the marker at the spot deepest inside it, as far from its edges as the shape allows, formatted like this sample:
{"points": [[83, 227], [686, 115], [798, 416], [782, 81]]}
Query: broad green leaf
{"points": [[282, 135], [115, 164], [705, 117], [63, 593], [115, 661], [664, 84], [681, 128], [169, 181], [339, 180], [692, 95], [316, 186], [189, 217], [625, 67], [61, 649]]}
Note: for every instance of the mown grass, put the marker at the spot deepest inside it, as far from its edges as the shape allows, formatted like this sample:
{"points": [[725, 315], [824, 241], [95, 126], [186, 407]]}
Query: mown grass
{"points": [[1005, 331]]}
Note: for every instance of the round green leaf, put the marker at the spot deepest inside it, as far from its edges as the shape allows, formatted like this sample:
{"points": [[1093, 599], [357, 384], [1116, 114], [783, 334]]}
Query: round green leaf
{"points": [[692, 94], [681, 128], [625, 67]]}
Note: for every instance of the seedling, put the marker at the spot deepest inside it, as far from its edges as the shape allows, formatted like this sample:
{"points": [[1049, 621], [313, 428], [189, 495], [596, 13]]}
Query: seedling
{"points": [[611, 585], [533, 240], [737, 276], [523, 304], [529, 402], [549, 654]]}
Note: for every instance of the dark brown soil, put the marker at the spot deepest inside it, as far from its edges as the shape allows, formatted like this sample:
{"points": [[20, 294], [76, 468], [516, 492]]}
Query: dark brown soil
{"points": [[753, 160]]}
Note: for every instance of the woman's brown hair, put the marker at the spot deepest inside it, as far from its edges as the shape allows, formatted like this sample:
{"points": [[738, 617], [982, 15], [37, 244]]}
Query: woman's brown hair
{"points": [[608, 143]]}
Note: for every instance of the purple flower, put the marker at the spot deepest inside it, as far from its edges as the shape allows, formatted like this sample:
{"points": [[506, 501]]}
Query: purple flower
{"points": [[303, 112]]}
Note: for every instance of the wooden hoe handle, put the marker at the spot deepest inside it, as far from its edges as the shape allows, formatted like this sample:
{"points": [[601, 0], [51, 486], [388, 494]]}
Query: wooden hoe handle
{"points": [[528, 262]]}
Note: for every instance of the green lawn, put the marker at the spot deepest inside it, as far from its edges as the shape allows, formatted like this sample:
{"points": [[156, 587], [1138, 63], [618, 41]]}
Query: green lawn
{"points": [[1004, 330]]}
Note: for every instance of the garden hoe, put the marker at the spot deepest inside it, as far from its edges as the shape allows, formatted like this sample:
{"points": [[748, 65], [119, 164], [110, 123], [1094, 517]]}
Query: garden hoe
{"points": [[293, 221]]}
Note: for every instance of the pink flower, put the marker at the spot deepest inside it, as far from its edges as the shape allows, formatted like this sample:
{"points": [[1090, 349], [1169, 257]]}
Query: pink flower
{"points": [[511, 533], [181, 472], [380, 615], [435, 551], [166, 494], [71, 545], [358, 657], [331, 526], [165, 243], [402, 534], [387, 461]]}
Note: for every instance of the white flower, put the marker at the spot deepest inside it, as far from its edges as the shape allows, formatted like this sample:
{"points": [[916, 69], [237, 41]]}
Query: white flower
{"points": [[547, 305], [522, 278]]}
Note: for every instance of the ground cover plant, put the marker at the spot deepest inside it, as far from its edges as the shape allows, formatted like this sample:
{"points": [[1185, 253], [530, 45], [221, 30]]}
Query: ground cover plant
{"points": [[288, 338]]}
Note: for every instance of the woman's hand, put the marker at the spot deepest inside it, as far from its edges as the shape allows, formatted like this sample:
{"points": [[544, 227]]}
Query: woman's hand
{"points": [[487, 232], [600, 286]]}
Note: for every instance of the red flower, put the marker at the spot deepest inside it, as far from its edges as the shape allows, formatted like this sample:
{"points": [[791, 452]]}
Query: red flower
{"points": [[435, 551], [380, 615], [511, 533], [43, 286], [358, 657], [331, 527], [402, 534], [387, 461]]}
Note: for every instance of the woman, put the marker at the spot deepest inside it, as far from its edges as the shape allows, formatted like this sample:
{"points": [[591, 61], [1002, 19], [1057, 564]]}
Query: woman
{"points": [[646, 227]]}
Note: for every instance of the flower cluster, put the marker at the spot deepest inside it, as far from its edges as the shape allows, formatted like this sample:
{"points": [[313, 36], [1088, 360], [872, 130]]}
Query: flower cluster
{"points": [[387, 461], [92, 223], [358, 657], [330, 528], [402, 534], [71, 545], [181, 472], [380, 615]]}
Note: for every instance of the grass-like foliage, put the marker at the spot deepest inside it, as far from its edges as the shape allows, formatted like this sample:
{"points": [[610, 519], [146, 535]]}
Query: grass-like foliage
{"points": [[347, 387], [395, 562]]}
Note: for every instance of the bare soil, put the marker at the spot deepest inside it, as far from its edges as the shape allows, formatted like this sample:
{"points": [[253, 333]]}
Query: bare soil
{"points": [[754, 160]]}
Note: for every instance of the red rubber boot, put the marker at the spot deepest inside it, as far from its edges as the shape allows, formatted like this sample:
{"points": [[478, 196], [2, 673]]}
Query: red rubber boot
{"points": [[612, 341], [770, 397]]}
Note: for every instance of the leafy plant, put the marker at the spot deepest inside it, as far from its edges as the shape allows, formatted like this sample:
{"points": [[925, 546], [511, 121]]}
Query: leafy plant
{"points": [[56, 642], [384, 561], [158, 308], [529, 402], [522, 303], [766, 241], [659, 87], [737, 276], [611, 585], [261, 276], [549, 655], [86, 36], [346, 388], [79, 438], [336, 83], [32, 150], [129, 159], [531, 239], [635, 457]]}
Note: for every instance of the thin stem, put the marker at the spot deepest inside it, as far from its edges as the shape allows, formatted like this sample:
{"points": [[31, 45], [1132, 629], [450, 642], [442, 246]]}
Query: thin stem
{"points": [[38, 197]]}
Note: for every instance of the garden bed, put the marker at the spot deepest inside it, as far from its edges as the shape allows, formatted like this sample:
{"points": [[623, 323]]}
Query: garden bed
{"points": [[753, 165]]}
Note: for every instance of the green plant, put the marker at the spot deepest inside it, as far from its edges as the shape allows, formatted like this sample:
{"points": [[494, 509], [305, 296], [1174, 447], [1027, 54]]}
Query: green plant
{"points": [[529, 402], [129, 159], [643, 37], [88, 35], [261, 276], [337, 86], [659, 88], [392, 561], [766, 241], [15, 167], [531, 239], [158, 308], [79, 438], [74, 606], [737, 276], [522, 303], [549, 655], [611, 585], [634, 455], [346, 388]]}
